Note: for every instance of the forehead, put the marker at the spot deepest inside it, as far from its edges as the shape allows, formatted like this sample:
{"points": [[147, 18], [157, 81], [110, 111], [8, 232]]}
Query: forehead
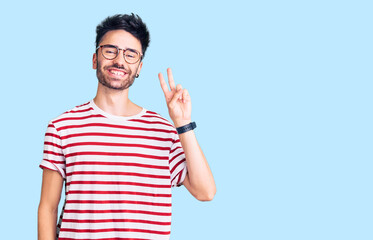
{"points": [[122, 39]]}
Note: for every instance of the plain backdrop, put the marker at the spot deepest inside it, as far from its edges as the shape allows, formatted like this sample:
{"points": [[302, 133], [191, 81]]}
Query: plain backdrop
{"points": [[281, 93]]}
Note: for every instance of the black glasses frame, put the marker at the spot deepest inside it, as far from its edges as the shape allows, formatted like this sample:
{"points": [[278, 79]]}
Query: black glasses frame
{"points": [[118, 50]]}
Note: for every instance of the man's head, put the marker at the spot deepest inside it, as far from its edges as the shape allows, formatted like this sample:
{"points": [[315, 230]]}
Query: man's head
{"points": [[130, 23], [121, 42]]}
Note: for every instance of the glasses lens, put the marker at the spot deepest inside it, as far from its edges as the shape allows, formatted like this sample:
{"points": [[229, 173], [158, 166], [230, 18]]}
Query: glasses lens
{"points": [[131, 56], [109, 52]]}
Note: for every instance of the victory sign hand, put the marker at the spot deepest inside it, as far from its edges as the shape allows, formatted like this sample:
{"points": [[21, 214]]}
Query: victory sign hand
{"points": [[178, 100]]}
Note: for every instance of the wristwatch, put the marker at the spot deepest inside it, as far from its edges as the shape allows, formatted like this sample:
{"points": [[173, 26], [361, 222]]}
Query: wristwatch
{"points": [[186, 128]]}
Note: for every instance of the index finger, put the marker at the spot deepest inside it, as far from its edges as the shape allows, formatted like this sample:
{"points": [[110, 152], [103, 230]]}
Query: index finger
{"points": [[163, 83]]}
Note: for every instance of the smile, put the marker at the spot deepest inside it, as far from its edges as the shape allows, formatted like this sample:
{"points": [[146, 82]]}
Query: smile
{"points": [[117, 72]]}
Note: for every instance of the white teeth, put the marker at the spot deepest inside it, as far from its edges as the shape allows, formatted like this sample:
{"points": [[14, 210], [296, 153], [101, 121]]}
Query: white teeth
{"points": [[117, 73]]}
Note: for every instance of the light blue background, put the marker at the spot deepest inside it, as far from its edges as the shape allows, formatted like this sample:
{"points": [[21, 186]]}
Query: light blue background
{"points": [[281, 92]]}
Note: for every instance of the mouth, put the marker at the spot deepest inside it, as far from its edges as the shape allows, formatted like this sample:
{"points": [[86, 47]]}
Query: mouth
{"points": [[115, 72]]}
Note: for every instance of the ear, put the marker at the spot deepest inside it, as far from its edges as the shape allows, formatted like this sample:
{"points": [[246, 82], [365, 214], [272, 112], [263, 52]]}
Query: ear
{"points": [[94, 61], [139, 68]]}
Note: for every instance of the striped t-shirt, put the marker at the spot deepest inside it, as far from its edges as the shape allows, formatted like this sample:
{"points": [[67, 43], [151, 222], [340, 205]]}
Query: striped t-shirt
{"points": [[118, 173]]}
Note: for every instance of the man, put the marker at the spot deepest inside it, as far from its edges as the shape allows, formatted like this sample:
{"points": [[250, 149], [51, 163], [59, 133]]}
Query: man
{"points": [[117, 159]]}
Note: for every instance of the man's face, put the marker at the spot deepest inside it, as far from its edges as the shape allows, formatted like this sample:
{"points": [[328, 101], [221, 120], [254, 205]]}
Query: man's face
{"points": [[117, 73]]}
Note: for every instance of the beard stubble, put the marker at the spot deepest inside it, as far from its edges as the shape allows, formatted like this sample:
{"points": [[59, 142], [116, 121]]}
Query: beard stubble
{"points": [[107, 82]]}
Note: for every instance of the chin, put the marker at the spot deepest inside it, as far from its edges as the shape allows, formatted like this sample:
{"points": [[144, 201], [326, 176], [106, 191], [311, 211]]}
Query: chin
{"points": [[122, 86]]}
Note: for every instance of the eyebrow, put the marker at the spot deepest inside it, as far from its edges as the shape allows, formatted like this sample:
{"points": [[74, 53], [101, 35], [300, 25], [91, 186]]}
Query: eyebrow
{"points": [[131, 49]]}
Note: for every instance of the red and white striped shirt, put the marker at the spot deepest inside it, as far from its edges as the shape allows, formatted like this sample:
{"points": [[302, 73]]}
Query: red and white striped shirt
{"points": [[118, 173]]}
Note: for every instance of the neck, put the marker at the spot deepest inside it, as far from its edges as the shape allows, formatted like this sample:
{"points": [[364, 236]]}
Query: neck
{"points": [[115, 102]]}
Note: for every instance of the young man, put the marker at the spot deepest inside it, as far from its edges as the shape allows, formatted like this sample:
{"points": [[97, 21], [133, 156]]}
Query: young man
{"points": [[117, 159]]}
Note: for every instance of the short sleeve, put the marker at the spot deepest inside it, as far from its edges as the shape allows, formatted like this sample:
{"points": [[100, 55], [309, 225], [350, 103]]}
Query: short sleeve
{"points": [[53, 157], [177, 163]]}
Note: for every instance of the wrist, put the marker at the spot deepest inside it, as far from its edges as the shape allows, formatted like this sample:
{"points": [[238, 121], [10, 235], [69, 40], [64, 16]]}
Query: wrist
{"points": [[180, 123]]}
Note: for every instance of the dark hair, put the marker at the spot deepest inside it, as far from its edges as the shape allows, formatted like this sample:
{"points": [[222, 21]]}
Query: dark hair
{"points": [[129, 23]]}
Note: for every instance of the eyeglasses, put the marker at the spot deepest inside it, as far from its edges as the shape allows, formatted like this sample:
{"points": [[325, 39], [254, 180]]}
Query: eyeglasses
{"points": [[110, 52]]}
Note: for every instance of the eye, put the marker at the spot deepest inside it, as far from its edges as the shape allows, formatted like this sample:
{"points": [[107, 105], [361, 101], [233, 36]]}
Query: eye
{"points": [[110, 51], [130, 55]]}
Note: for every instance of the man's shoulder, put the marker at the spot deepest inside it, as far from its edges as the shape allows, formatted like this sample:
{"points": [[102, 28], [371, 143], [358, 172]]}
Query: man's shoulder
{"points": [[156, 118], [79, 111]]}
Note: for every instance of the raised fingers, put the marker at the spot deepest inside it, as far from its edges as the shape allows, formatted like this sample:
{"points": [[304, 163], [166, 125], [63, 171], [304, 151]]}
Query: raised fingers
{"points": [[163, 83], [170, 79]]}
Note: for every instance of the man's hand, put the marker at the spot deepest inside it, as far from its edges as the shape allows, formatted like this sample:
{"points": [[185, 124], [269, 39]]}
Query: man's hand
{"points": [[178, 100]]}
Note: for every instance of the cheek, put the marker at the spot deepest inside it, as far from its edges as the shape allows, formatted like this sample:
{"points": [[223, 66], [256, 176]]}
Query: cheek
{"points": [[100, 66], [136, 69]]}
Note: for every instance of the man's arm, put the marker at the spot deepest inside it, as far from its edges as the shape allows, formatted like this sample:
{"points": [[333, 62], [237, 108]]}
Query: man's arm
{"points": [[199, 180], [48, 207]]}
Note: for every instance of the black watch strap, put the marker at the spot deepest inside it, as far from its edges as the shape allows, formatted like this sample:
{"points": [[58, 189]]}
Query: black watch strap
{"points": [[186, 128]]}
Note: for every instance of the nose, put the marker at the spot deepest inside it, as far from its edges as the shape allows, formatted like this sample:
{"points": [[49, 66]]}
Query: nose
{"points": [[119, 59]]}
